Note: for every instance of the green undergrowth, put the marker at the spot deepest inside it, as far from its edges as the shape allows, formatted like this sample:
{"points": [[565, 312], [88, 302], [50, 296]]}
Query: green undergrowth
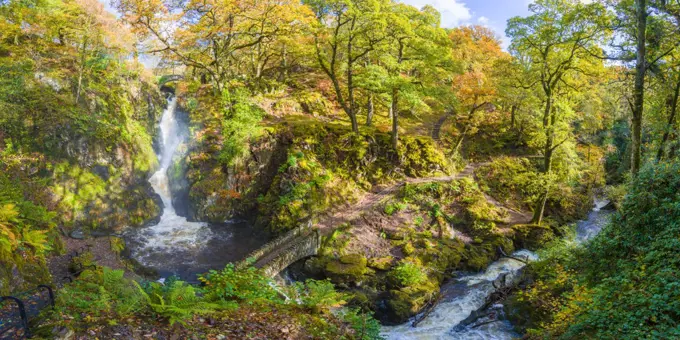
{"points": [[620, 285], [102, 300], [28, 232], [517, 183], [511, 181], [458, 204], [327, 165]]}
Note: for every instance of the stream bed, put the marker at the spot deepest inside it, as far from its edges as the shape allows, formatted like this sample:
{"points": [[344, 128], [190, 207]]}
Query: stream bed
{"points": [[176, 246], [467, 292]]}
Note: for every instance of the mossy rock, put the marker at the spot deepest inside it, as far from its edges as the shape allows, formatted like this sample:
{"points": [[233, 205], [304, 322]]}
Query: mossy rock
{"points": [[354, 259], [502, 242], [478, 257], [347, 273], [532, 236], [442, 256], [381, 263], [395, 235], [425, 243], [408, 248], [409, 301]]}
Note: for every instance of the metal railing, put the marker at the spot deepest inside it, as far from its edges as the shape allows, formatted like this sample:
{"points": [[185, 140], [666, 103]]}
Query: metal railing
{"points": [[17, 310]]}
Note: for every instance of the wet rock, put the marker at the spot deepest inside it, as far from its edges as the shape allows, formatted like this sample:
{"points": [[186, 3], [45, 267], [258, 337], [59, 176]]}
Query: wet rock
{"points": [[611, 206], [77, 234], [102, 171], [158, 201]]}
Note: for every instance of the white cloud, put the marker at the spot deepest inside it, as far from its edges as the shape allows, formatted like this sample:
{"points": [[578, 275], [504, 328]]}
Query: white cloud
{"points": [[483, 20], [453, 12]]}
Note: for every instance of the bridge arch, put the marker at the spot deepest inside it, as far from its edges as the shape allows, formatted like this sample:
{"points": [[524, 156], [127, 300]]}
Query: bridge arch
{"points": [[275, 256]]}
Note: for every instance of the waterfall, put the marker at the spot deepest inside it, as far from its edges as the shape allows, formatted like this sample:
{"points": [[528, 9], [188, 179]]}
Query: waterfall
{"points": [[173, 235]]}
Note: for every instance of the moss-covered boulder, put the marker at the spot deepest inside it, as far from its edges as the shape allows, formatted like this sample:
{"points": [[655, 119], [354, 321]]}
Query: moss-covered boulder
{"points": [[408, 301], [532, 236], [479, 255], [348, 269], [381, 263]]}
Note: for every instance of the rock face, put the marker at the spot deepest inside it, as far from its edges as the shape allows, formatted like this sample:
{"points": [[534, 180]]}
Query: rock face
{"points": [[215, 192], [105, 187]]}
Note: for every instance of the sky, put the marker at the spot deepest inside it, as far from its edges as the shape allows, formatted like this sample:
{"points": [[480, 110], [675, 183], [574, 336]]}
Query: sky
{"points": [[491, 13]]}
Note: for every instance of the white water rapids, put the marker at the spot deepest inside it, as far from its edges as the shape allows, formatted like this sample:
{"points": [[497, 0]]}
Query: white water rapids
{"points": [[468, 293]]}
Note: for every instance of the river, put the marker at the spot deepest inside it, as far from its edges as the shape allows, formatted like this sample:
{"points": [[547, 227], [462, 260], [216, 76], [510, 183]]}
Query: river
{"points": [[467, 292], [176, 246]]}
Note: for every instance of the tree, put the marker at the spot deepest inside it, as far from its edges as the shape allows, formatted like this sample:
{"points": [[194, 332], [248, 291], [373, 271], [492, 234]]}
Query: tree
{"points": [[222, 39], [479, 52], [645, 34], [560, 39], [415, 58], [669, 90], [348, 31]]}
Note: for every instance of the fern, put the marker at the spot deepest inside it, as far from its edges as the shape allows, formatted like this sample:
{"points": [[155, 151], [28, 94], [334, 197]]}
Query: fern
{"points": [[36, 239], [176, 301]]}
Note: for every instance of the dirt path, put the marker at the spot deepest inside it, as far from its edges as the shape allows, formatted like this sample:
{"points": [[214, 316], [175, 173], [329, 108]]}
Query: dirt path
{"points": [[370, 200], [436, 129]]}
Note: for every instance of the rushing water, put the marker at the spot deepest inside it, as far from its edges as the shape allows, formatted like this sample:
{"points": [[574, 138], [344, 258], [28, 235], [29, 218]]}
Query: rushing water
{"points": [[467, 293], [176, 246]]}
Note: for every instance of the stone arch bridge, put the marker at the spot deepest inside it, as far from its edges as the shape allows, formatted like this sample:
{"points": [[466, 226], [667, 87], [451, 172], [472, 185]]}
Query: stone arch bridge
{"points": [[275, 256]]}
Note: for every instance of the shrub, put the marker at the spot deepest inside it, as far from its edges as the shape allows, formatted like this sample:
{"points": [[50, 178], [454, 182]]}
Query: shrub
{"points": [[408, 274], [101, 293], [240, 123], [616, 194], [364, 325], [245, 285]]}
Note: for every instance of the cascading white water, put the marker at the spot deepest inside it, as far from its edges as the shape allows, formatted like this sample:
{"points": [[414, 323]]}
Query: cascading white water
{"points": [[173, 233], [468, 293]]}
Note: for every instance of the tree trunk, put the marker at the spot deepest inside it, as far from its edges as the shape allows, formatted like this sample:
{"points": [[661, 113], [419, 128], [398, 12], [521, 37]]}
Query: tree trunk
{"points": [[671, 120], [81, 69], [350, 87], [639, 89], [459, 143], [369, 110], [548, 123], [395, 118], [513, 111], [283, 66], [674, 146]]}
